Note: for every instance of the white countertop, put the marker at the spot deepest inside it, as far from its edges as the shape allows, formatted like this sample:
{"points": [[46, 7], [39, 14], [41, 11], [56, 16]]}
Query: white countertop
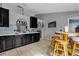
{"points": [[14, 33]]}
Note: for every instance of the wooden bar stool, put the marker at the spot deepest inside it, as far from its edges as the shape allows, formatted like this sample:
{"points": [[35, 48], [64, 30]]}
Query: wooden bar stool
{"points": [[74, 46], [52, 43], [57, 47], [53, 40]]}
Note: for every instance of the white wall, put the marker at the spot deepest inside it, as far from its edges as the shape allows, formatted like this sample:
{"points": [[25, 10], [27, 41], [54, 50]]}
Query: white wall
{"points": [[14, 17], [61, 21]]}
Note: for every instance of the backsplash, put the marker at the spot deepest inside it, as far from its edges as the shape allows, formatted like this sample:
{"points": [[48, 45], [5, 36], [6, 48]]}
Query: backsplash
{"points": [[9, 29], [13, 27]]}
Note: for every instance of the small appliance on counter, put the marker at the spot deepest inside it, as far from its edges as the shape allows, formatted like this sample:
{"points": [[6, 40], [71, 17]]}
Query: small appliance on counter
{"points": [[21, 24], [66, 29]]}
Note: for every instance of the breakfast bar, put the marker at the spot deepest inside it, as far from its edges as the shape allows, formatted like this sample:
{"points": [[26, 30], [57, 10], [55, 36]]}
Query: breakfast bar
{"points": [[74, 36]]}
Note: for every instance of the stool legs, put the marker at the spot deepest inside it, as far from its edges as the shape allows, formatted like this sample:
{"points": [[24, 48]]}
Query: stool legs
{"points": [[65, 50], [55, 49], [74, 48], [64, 47]]}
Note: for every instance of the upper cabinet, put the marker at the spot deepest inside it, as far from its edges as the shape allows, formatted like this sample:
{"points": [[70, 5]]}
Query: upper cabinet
{"points": [[4, 17], [33, 22]]}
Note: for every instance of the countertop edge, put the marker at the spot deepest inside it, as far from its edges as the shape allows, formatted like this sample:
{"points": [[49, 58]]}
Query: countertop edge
{"points": [[8, 34]]}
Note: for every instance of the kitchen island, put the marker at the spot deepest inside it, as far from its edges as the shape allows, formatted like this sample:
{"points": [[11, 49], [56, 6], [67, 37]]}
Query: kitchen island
{"points": [[13, 40]]}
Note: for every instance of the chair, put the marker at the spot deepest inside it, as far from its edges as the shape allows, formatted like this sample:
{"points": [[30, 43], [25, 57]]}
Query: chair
{"points": [[52, 42], [61, 45], [74, 46]]}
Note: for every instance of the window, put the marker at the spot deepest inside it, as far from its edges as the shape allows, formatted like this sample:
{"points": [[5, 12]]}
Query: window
{"points": [[52, 24]]}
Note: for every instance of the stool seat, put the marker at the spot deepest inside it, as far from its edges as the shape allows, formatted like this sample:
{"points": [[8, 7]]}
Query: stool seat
{"points": [[61, 41]]}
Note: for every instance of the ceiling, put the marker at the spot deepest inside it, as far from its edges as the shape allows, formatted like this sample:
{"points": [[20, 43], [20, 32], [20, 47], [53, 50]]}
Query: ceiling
{"points": [[51, 7]]}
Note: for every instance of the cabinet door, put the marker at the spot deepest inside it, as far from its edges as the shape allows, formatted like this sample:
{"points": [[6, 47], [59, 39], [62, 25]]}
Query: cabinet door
{"points": [[27, 39], [36, 37], [1, 21], [33, 22], [5, 17], [8, 42], [2, 44], [18, 41], [24, 39]]}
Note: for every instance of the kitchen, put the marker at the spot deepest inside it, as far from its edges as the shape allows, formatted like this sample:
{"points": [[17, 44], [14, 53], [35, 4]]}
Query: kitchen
{"points": [[26, 29], [16, 28]]}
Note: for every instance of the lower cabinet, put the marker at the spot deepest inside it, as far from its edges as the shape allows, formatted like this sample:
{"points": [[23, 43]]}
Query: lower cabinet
{"points": [[18, 41], [25, 39], [2, 45], [14, 41], [8, 42], [35, 37], [30, 40]]}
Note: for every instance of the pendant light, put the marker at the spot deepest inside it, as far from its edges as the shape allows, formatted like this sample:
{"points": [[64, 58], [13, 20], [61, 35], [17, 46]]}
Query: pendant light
{"points": [[22, 9]]}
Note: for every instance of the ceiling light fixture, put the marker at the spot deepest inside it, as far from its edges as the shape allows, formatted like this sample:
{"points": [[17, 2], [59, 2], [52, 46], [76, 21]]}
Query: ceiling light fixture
{"points": [[22, 9]]}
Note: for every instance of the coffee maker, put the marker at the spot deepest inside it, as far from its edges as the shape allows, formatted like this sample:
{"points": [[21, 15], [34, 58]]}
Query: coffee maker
{"points": [[21, 25]]}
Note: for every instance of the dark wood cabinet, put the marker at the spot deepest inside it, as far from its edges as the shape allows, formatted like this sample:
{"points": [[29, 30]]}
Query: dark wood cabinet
{"points": [[5, 43], [26, 39], [36, 37], [30, 40], [2, 44], [14, 41], [4, 17], [33, 22], [18, 40], [8, 42]]}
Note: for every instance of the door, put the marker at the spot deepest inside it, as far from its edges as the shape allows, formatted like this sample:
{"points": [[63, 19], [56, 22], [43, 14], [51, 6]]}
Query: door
{"points": [[5, 17], [33, 22], [8, 42], [27, 39], [18, 41], [2, 44], [24, 39], [1, 20], [36, 37]]}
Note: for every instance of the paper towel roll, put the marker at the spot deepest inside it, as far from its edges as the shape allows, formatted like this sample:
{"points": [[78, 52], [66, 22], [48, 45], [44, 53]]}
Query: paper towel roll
{"points": [[66, 28]]}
